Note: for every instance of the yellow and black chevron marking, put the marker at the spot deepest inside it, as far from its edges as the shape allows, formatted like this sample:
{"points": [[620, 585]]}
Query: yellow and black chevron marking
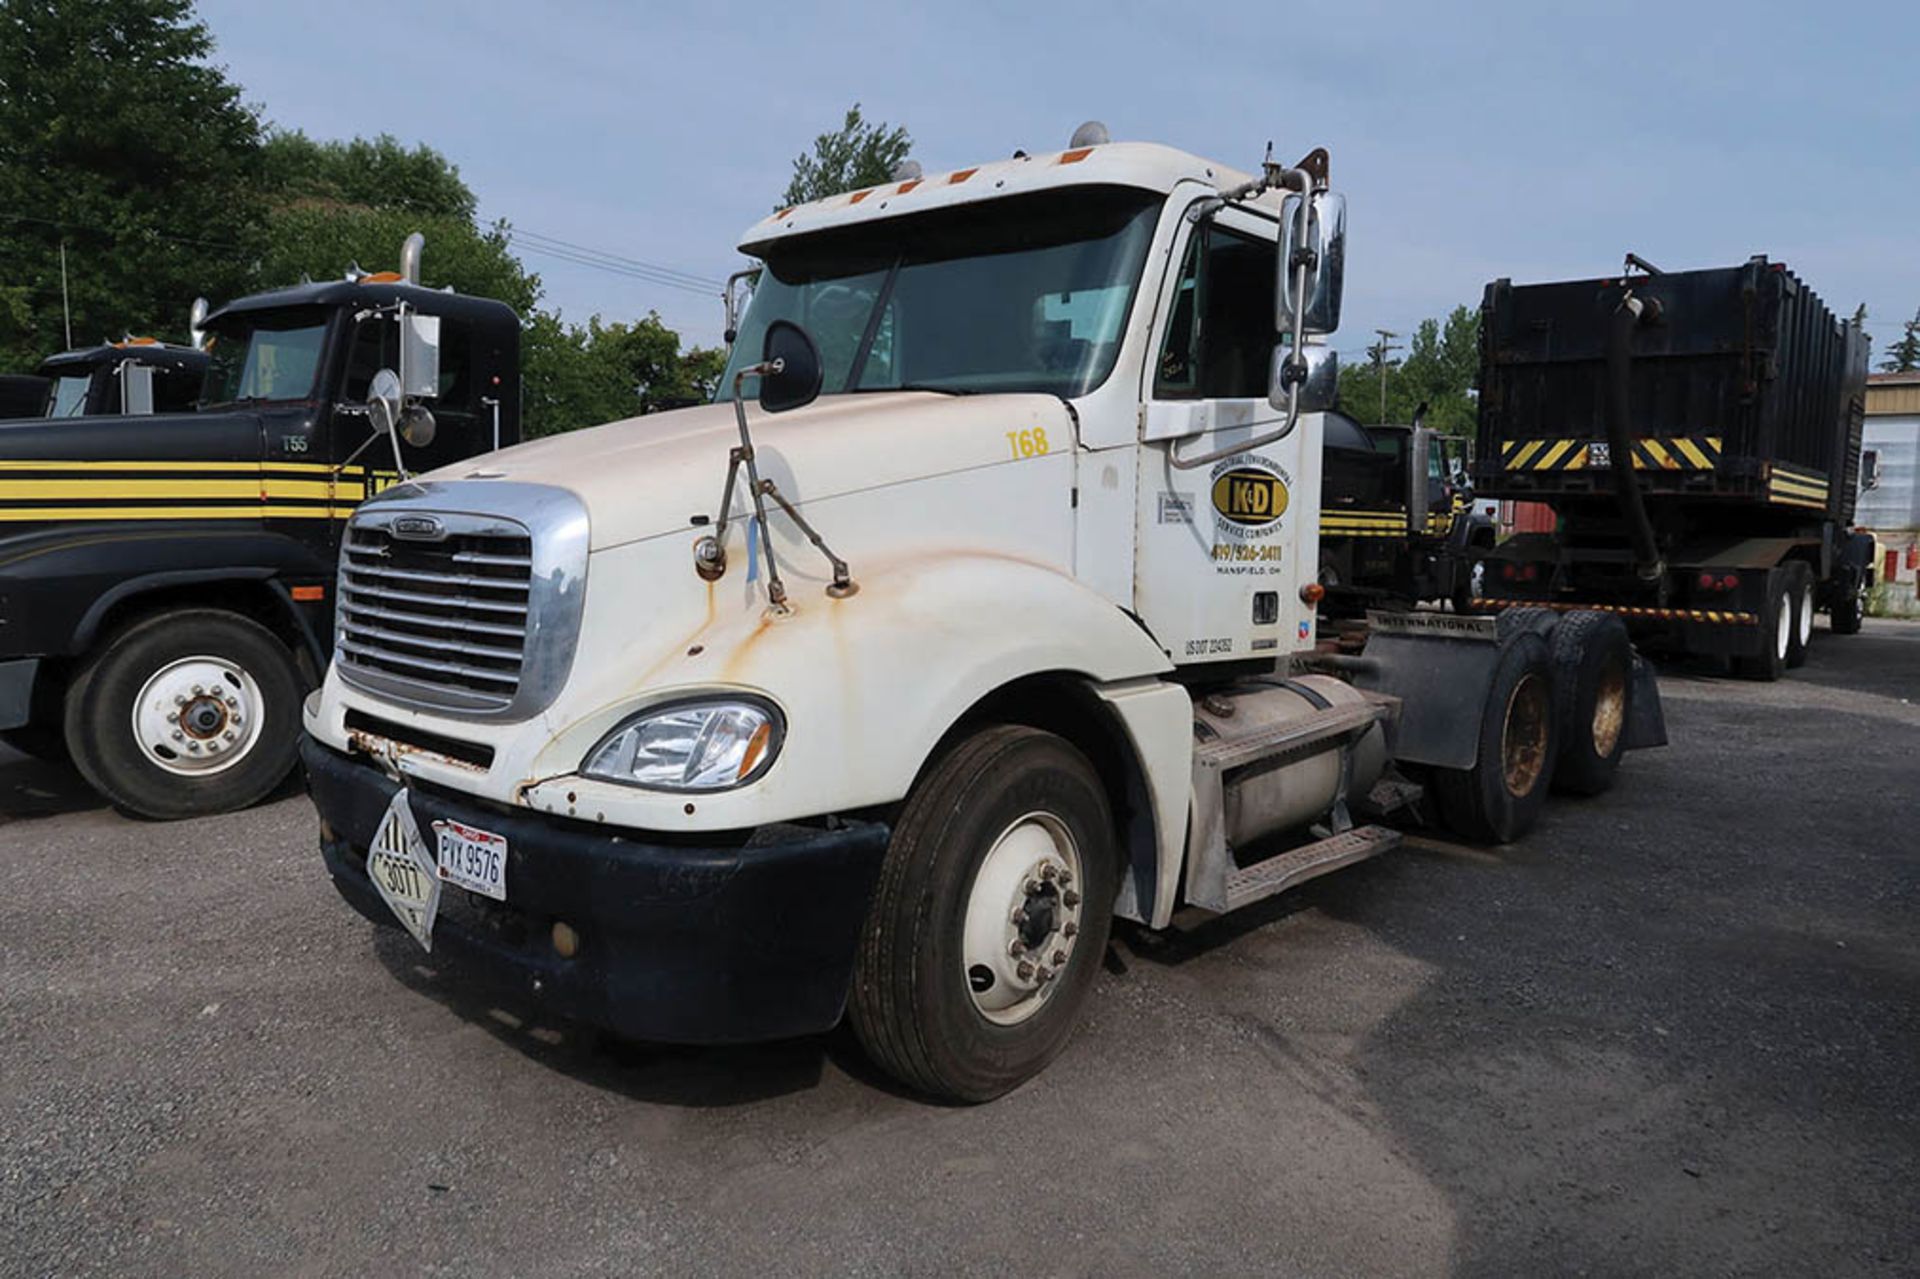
{"points": [[44, 491], [1666, 453], [1363, 523], [1725, 617], [1796, 486]]}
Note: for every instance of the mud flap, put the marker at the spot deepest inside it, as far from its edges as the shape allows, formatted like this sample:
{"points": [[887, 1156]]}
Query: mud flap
{"points": [[1646, 724], [1440, 666]]}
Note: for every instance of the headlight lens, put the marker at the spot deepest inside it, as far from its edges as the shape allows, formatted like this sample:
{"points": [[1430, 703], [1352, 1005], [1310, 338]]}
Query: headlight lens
{"points": [[690, 746]]}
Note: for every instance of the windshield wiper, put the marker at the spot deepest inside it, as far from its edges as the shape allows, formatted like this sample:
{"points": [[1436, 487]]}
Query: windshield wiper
{"points": [[915, 386]]}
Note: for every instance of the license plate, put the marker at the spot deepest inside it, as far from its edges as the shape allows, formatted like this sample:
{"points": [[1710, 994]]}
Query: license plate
{"points": [[472, 858], [402, 872], [1599, 455]]}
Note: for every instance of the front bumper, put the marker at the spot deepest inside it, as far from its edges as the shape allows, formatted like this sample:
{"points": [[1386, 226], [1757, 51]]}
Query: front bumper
{"points": [[679, 942]]}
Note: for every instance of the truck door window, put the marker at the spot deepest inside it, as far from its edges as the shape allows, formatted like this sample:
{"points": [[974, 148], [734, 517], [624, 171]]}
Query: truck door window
{"points": [[1220, 335]]}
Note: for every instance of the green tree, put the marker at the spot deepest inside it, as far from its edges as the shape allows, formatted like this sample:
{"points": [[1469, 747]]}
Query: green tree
{"points": [[1441, 365], [584, 375], [1904, 355], [859, 154], [380, 173], [120, 140]]}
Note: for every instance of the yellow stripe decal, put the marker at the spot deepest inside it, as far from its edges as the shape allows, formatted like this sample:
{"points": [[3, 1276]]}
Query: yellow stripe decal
{"points": [[1628, 610], [1527, 450], [1692, 452], [1553, 454], [83, 514]]}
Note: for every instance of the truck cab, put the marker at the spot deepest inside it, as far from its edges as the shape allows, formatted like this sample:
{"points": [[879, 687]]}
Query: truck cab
{"points": [[978, 610], [166, 577], [134, 377], [1397, 524]]}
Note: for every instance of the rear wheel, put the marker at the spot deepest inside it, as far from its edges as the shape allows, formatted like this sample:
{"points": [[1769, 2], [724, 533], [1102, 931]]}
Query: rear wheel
{"points": [[990, 918], [1776, 634], [1849, 607], [1593, 689], [185, 713], [1800, 599], [1500, 797]]}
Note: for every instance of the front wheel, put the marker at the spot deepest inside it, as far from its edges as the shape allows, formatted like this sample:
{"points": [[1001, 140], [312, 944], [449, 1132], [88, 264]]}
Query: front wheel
{"points": [[990, 918], [185, 713], [1848, 609]]}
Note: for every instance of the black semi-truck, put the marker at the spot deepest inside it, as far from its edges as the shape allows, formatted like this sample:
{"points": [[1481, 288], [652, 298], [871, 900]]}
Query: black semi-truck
{"points": [[1397, 524], [167, 580], [133, 377], [1697, 435]]}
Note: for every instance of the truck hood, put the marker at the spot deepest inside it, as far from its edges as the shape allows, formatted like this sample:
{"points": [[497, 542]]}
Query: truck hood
{"points": [[648, 476]]}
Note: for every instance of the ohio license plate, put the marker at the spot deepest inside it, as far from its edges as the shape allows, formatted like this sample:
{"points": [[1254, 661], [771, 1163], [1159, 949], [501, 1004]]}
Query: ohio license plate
{"points": [[402, 872], [474, 859]]}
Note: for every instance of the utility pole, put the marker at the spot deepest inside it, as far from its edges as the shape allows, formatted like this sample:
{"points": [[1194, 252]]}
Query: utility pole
{"points": [[66, 311], [1379, 352]]}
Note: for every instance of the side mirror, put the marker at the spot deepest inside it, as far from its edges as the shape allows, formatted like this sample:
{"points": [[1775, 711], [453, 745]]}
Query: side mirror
{"points": [[383, 402], [1323, 243], [1869, 470], [1321, 387], [793, 373], [417, 426], [420, 355], [136, 389]]}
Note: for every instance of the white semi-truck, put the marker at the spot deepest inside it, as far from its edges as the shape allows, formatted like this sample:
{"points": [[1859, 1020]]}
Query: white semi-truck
{"points": [[978, 611]]}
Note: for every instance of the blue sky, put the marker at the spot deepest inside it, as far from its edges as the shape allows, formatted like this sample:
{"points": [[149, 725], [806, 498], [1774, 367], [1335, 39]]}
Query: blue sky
{"points": [[1527, 140]]}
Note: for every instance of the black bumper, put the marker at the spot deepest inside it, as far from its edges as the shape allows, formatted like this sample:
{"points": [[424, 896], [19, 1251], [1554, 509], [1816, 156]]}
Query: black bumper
{"points": [[679, 943]]}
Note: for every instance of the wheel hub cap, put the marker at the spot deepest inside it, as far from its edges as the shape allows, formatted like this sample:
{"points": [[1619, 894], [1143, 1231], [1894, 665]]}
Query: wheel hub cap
{"points": [[1023, 919], [197, 715]]}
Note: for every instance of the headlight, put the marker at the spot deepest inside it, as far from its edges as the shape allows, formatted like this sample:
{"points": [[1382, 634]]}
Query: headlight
{"points": [[711, 744]]}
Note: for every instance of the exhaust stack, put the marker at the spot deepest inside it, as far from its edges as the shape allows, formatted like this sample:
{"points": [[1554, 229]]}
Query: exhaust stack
{"points": [[410, 257]]}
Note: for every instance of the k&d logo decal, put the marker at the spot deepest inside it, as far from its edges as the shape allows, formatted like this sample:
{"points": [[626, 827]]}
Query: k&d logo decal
{"points": [[1250, 496]]}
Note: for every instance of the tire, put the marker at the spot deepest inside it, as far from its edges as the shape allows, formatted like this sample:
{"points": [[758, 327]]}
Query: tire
{"points": [[1776, 627], [935, 1005], [1800, 599], [1499, 799], [240, 692], [1593, 698], [1849, 608]]}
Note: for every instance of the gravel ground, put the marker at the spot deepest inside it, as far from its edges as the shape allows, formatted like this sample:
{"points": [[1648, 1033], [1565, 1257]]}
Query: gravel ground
{"points": [[1675, 1031]]}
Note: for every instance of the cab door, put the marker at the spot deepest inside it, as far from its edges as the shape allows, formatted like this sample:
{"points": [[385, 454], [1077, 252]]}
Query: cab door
{"points": [[1223, 549]]}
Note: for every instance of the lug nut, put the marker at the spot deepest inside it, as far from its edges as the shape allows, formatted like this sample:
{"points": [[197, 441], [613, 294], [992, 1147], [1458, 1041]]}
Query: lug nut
{"points": [[1045, 975], [179, 700], [194, 747], [1070, 899], [1048, 871], [1020, 915], [199, 691], [1033, 887], [1016, 948], [1069, 930], [232, 701], [179, 736], [1059, 958], [1024, 971], [1066, 877], [173, 717]]}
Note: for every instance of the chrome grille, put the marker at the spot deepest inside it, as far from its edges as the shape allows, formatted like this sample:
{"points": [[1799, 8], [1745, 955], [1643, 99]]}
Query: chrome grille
{"points": [[463, 597], [447, 617]]}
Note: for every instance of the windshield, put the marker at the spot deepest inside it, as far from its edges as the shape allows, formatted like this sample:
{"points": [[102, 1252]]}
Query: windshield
{"points": [[1029, 293], [266, 357], [69, 396]]}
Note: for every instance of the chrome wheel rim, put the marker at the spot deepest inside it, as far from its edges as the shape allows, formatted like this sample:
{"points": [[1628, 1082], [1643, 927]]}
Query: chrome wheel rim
{"points": [[1804, 608], [1023, 919], [1783, 630], [197, 716], [1609, 709]]}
